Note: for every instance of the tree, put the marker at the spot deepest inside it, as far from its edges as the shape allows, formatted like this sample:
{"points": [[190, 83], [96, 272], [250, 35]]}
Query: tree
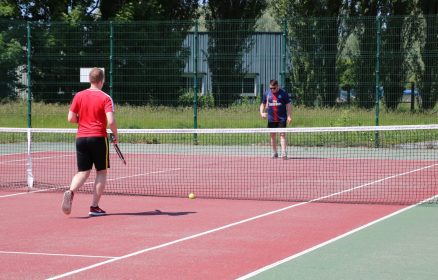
{"points": [[267, 22], [55, 36], [313, 37], [54, 10], [12, 36], [68, 35], [393, 54], [230, 25], [135, 10], [367, 19], [359, 22], [430, 55], [148, 56]]}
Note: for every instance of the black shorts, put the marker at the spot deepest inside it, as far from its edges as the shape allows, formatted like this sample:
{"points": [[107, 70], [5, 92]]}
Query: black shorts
{"points": [[276, 124], [92, 150]]}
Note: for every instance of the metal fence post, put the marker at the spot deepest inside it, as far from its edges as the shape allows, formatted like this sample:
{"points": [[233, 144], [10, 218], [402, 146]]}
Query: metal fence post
{"points": [[377, 101], [195, 82], [283, 55], [111, 59]]}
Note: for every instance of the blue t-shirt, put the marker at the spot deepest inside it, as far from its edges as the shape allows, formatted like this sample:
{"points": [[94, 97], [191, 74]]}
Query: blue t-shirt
{"points": [[276, 105]]}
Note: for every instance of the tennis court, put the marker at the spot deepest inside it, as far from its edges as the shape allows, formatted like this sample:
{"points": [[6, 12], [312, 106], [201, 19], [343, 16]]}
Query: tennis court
{"points": [[328, 212]]}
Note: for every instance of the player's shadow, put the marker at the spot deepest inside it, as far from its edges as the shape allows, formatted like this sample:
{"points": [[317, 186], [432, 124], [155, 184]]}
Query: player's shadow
{"points": [[146, 213], [303, 158], [151, 213]]}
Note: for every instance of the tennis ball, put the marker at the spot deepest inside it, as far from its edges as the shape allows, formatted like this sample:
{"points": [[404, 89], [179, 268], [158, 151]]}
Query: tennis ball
{"points": [[192, 196]]}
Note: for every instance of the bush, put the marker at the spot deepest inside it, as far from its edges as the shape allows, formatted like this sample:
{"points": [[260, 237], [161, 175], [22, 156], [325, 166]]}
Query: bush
{"points": [[203, 101]]}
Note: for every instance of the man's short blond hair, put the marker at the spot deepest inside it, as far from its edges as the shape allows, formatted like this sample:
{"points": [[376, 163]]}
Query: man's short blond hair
{"points": [[96, 75]]}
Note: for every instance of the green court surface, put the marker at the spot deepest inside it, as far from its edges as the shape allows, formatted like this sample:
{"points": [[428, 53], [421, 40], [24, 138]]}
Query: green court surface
{"points": [[404, 246]]}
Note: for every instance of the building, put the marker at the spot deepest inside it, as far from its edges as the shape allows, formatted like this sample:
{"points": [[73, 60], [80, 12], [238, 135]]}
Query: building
{"points": [[262, 62]]}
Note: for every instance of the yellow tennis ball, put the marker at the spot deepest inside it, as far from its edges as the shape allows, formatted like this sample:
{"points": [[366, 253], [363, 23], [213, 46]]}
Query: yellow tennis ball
{"points": [[192, 196]]}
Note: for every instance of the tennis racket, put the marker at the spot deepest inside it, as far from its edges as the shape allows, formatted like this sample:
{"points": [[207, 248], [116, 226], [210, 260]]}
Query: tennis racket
{"points": [[119, 153]]}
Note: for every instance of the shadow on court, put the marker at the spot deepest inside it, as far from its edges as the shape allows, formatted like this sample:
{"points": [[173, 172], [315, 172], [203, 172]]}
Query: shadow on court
{"points": [[147, 213]]}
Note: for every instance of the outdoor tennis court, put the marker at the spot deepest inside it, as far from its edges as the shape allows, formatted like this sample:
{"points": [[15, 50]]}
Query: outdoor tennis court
{"points": [[328, 212]]}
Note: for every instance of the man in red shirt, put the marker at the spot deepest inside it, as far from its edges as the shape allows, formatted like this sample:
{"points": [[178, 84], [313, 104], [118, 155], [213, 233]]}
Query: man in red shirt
{"points": [[92, 110]]}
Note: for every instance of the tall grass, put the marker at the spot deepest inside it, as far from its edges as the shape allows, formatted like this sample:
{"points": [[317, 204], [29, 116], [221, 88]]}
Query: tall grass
{"points": [[246, 115]]}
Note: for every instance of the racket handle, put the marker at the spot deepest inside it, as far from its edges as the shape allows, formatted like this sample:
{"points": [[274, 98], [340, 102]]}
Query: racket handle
{"points": [[112, 138]]}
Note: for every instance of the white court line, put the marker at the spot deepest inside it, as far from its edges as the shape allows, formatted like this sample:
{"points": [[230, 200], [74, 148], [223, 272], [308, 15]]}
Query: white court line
{"points": [[29, 192], [12, 161], [15, 154], [52, 254], [34, 158], [223, 169], [33, 153], [254, 273], [144, 174], [232, 225], [89, 183]]}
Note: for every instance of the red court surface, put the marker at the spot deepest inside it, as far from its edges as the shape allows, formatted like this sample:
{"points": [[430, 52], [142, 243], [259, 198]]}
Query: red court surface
{"points": [[249, 177], [163, 238]]}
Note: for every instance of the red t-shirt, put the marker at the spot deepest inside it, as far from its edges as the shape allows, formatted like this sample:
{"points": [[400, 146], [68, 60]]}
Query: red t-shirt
{"points": [[91, 106]]}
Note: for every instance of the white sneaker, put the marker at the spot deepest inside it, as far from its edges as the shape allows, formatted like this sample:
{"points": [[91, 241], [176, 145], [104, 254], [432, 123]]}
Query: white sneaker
{"points": [[274, 155], [67, 202]]}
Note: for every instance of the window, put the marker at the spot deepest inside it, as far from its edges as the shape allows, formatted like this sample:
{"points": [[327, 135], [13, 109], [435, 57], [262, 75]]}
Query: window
{"points": [[249, 85]]}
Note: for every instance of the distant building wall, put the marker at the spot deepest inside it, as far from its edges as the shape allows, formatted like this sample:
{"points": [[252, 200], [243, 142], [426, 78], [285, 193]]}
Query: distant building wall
{"points": [[262, 62]]}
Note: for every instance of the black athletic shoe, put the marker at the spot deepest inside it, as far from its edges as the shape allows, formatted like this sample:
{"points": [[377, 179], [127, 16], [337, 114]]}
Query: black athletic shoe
{"points": [[96, 211]]}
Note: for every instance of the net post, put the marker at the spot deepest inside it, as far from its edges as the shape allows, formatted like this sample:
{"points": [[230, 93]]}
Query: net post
{"points": [[29, 174]]}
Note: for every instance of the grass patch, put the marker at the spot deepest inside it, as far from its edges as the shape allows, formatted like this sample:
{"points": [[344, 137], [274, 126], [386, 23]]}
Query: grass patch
{"points": [[246, 115]]}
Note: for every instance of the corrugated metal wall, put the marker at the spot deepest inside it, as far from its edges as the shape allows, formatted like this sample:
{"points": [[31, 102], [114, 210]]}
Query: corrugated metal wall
{"points": [[263, 61]]}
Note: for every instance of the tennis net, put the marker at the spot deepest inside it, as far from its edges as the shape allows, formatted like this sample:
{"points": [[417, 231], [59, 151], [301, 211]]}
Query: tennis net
{"points": [[382, 165]]}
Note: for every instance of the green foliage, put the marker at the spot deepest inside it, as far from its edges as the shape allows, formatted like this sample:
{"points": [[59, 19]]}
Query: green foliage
{"points": [[347, 72], [149, 61], [131, 10], [7, 9], [230, 24], [346, 65], [332, 44], [405, 55], [151, 50], [126, 13], [429, 78], [203, 101], [11, 54], [75, 16], [45, 11], [267, 22], [64, 40], [313, 32], [392, 56], [10, 50]]}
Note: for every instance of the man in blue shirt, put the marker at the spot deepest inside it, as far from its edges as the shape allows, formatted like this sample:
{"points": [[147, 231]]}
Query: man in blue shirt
{"points": [[277, 103]]}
